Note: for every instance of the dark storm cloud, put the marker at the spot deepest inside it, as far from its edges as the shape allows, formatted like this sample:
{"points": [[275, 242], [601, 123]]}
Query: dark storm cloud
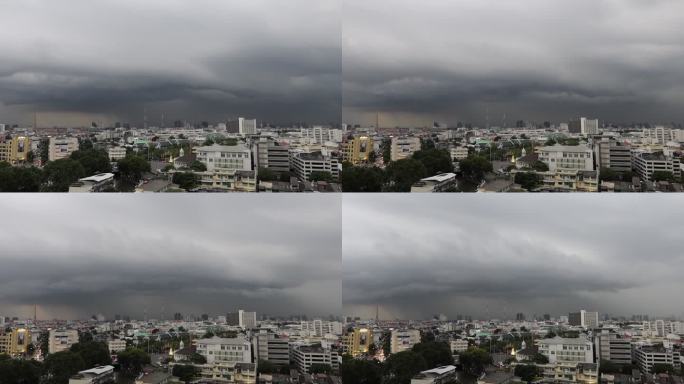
{"points": [[532, 59], [499, 255], [75, 257], [205, 59]]}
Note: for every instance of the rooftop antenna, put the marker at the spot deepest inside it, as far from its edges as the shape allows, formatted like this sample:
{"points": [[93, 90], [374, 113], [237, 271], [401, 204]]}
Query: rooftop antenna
{"points": [[35, 313], [487, 117], [145, 117], [377, 313], [163, 121], [377, 120], [35, 120]]}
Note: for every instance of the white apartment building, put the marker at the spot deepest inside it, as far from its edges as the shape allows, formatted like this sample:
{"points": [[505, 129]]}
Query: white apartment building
{"points": [[567, 350], [320, 135], [403, 147], [403, 339], [247, 319], [116, 153], [231, 350], [458, 153], [61, 339], [304, 356], [662, 135], [458, 346], [61, 147], [305, 163], [229, 168], [567, 157], [116, 345], [646, 163], [320, 328]]}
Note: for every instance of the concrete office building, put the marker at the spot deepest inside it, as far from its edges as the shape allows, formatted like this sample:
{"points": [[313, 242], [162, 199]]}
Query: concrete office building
{"points": [[646, 163], [61, 339], [614, 348], [320, 328], [403, 147], [305, 356], [458, 346], [305, 163], [272, 348], [437, 183], [273, 156], [242, 126], [403, 339], [116, 345], [647, 356], [247, 320], [614, 155], [584, 319], [584, 126], [61, 147], [95, 183]]}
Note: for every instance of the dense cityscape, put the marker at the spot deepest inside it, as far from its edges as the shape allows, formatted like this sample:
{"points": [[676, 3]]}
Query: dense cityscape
{"points": [[582, 155]]}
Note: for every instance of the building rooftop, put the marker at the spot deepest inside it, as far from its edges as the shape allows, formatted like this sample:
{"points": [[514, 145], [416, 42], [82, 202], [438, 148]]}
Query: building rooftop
{"points": [[222, 148], [565, 148], [98, 178]]}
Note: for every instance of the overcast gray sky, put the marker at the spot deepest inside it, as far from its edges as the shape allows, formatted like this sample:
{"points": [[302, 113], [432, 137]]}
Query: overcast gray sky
{"points": [[450, 60], [75, 256], [85, 60], [497, 255]]}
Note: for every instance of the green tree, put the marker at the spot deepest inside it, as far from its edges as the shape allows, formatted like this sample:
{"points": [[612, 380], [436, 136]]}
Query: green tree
{"points": [[93, 353], [320, 368], [186, 180], [265, 366], [436, 161], [60, 174], [320, 176], [540, 166], [663, 368], [198, 359], [402, 174], [435, 353], [198, 166], [527, 180], [266, 174], [386, 148], [19, 179], [14, 371], [353, 371], [361, 179], [474, 361], [475, 167], [131, 169], [94, 161], [400, 367], [60, 366], [132, 361], [663, 176], [185, 373], [540, 358], [526, 372], [44, 150]]}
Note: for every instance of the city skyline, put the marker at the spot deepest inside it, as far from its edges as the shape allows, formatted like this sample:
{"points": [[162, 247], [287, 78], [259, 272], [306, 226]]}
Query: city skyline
{"points": [[108, 61], [533, 60], [496, 256], [76, 257]]}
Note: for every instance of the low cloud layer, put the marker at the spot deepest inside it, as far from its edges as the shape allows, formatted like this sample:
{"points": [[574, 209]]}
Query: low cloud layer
{"points": [[75, 257], [448, 60], [495, 256], [203, 60]]}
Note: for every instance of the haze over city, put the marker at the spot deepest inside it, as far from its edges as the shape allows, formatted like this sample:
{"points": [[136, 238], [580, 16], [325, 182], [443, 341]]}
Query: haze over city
{"points": [[496, 256], [153, 257], [448, 61], [108, 61]]}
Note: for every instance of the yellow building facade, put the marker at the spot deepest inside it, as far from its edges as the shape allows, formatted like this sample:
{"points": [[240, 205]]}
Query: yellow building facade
{"points": [[15, 150]]}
